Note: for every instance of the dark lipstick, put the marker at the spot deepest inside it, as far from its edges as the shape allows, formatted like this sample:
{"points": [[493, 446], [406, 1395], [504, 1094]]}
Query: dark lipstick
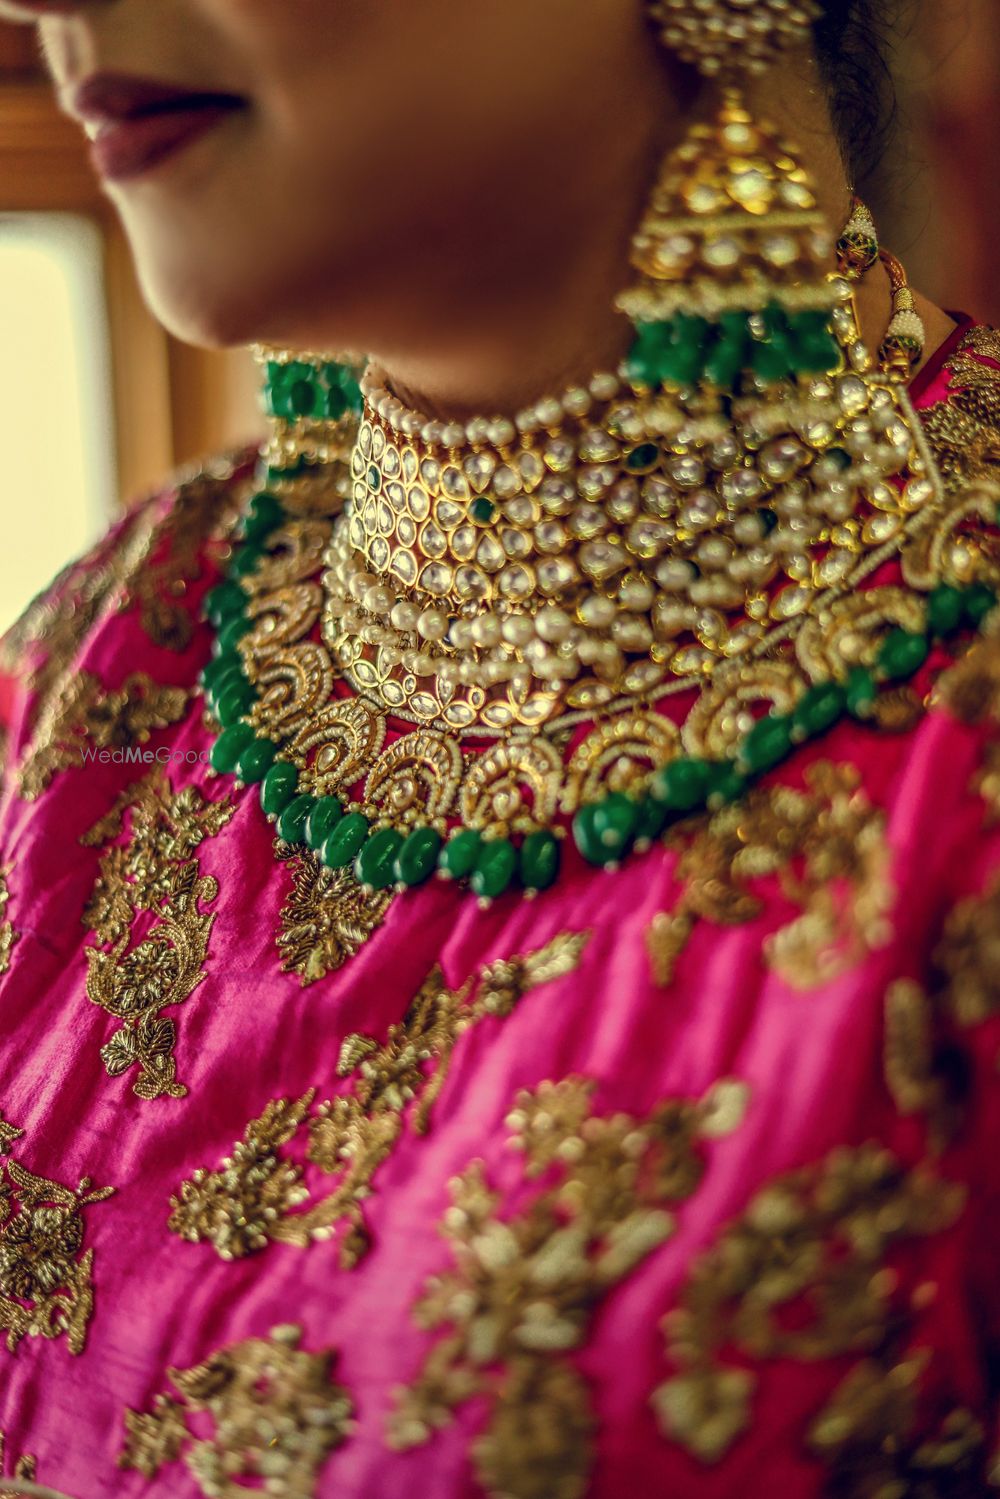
{"points": [[137, 123]]}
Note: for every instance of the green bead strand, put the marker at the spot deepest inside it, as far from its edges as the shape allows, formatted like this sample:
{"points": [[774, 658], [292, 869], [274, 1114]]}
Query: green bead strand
{"points": [[540, 860], [375, 865], [496, 866], [324, 816], [278, 788], [227, 749], [256, 759], [293, 818], [346, 841], [418, 857]]}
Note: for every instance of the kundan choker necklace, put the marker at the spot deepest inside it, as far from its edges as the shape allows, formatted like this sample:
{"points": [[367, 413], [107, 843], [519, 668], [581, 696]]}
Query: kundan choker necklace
{"points": [[443, 646]]}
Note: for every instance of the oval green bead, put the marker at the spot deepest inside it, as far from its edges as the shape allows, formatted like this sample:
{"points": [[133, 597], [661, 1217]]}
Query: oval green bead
{"points": [[232, 676], [324, 815], [223, 601], [860, 692], [375, 865], [902, 653], [766, 745], [292, 819], [588, 839], [978, 600], [264, 514], [246, 560], [346, 841], [278, 787], [819, 709], [213, 671], [418, 857], [945, 608], [231, 704], [495, 868], [231, 634], [614, 822], [727, 784], [256, 760], [652, 818], [682, 785], [229, 746], [459, 855], [540, 860]]}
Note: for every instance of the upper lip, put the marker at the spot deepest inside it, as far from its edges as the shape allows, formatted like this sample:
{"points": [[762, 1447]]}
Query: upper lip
{"points": [[110, 98]]}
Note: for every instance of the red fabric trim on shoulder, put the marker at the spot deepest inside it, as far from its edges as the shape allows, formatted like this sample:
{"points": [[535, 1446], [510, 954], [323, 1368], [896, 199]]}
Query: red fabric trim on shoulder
{"points": [[941, 355]]}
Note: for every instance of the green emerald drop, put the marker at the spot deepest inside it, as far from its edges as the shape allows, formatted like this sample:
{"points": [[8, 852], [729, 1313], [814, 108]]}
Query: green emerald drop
{"points": [[233, 702], [256, 759], [375, 865], [278, 787], [495, 868], [346, 841], [902, 653], [819, 709], [418, 857], [223, 601], [978, 601], [482, 510], [682, 786], [229, 746], [540, 860], [945, 607], [459, 855], [324, 816], [292, 819], [766, 745], [861, 692]]}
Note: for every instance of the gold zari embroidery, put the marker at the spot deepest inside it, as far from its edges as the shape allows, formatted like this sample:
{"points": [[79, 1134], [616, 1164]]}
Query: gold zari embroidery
{"points": [[8, 936], [327, 917], [524, 1287], [276, 1413], [87, 717], [867, 1436], [827, 847], [155, 875], [253, 1198], [46, 1289], [814, 1240]]}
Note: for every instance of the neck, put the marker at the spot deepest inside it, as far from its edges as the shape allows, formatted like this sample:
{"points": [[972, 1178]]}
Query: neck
{"points": [[533, 312]]}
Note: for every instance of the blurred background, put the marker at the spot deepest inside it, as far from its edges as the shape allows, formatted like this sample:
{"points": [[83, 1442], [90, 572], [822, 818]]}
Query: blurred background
{"points": [[99, 404]]}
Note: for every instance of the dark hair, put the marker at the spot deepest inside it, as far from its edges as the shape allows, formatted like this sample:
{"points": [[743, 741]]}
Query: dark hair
{"points": [[852, 41]]}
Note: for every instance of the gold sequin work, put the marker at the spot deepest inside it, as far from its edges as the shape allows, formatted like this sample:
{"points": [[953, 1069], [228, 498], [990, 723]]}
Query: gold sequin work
{"points": [[827, 847], [150, 883], [524, 1286], [86, 718], [814, 1241], [276, 1416], [46, 1288], [259, 1196]]}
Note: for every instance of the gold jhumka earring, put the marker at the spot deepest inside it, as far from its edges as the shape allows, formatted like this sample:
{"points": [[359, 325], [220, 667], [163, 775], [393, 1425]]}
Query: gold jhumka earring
{"points": [[508, 602]]}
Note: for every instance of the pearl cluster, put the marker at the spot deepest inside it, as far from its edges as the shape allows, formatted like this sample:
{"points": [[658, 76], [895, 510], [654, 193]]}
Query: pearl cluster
{"points": [[736, 36], [499, 432]]}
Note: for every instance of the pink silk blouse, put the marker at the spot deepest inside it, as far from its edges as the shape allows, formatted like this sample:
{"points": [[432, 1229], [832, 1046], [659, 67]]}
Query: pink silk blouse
{"points": [[676, 1180]]}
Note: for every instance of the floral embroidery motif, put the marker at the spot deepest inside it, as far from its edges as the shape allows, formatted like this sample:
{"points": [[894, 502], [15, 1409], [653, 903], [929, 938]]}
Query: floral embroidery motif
{"points": [[46, 1288], [827, 847], [8, 936], [277, 1416], [326, 919], [152, 875], [251, 1200], [801, 1275], [86, 716], [206, 503], [867, 1436], [524, 1287]]}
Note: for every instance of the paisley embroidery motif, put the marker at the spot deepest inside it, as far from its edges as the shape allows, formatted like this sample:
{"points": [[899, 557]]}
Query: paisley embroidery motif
{"points": [[826, 846], [276, 1415], [87, 717], [524, 1286], [259, 1196], [46, 1286], [327, 916], [802, 1275], [8, 936], [150, 883]]}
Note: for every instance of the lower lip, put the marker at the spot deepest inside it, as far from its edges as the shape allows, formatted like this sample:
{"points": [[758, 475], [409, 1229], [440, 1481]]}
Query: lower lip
{"points": [[130, 148]]}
